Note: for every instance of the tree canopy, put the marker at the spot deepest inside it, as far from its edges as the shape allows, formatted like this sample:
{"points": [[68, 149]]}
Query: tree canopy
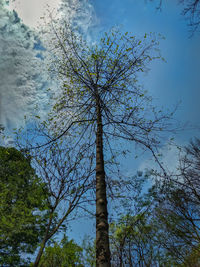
{"points": [[66, 253], [22, 206]]}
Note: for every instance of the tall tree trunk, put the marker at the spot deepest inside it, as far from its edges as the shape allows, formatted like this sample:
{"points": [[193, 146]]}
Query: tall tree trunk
{"points": [[43, 244], [121, 255], [40, 252], [130, 256], [102, 235]]}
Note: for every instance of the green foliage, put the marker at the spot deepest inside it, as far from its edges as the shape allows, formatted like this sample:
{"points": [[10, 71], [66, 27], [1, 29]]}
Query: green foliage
{"points": [[132, 241], [177, 202], [64, 254], [22, 206]]}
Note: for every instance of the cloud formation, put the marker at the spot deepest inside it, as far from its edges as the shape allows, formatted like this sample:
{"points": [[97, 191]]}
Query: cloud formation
{"points": [[168, 156], [31, 11], [23, 61], [22, 85], [79, 13]]}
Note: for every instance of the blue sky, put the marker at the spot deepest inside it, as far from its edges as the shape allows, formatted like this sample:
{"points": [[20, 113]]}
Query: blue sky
{"points": [[176, 80], [169, 83]]}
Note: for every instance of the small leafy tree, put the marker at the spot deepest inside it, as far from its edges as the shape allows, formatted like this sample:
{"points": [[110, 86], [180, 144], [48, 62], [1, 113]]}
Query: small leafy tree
{"points": [[66, 253], [133, 242], [22, 207]]}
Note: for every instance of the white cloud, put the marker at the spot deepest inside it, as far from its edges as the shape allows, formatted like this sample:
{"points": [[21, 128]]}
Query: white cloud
{"points": [[21, 84], [80, 13], [31, 11], [168, 156], [77, 12], [23, 74]]}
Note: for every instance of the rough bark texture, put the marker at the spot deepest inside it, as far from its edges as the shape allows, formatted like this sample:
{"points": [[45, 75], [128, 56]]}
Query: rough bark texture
{"points": [[102, 236]]}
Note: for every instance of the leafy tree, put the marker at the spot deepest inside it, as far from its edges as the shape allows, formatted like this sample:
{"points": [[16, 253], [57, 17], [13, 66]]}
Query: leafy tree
{"points": [[130, 242], [64, 254], [148, 239], [22, 207], [101, 102], [136, 238], [177, 202]]}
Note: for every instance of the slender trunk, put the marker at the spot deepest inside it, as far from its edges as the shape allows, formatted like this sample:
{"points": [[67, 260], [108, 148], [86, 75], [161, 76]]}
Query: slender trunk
{"points": [[102, 235], [40, 252], [48, 234], [120, 255], [130, 257], [120, 260], [45, 239]]}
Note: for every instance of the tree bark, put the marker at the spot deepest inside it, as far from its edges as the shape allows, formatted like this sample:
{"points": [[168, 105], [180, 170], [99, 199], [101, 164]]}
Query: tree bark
{"points": [[130, 257], [40, 252], [102, 234]]}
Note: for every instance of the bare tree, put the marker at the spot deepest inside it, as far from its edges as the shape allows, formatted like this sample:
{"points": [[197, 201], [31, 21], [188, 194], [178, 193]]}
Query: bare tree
{"points": [[101, 103], [65, 172], [178, 205], [191, 11]]}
